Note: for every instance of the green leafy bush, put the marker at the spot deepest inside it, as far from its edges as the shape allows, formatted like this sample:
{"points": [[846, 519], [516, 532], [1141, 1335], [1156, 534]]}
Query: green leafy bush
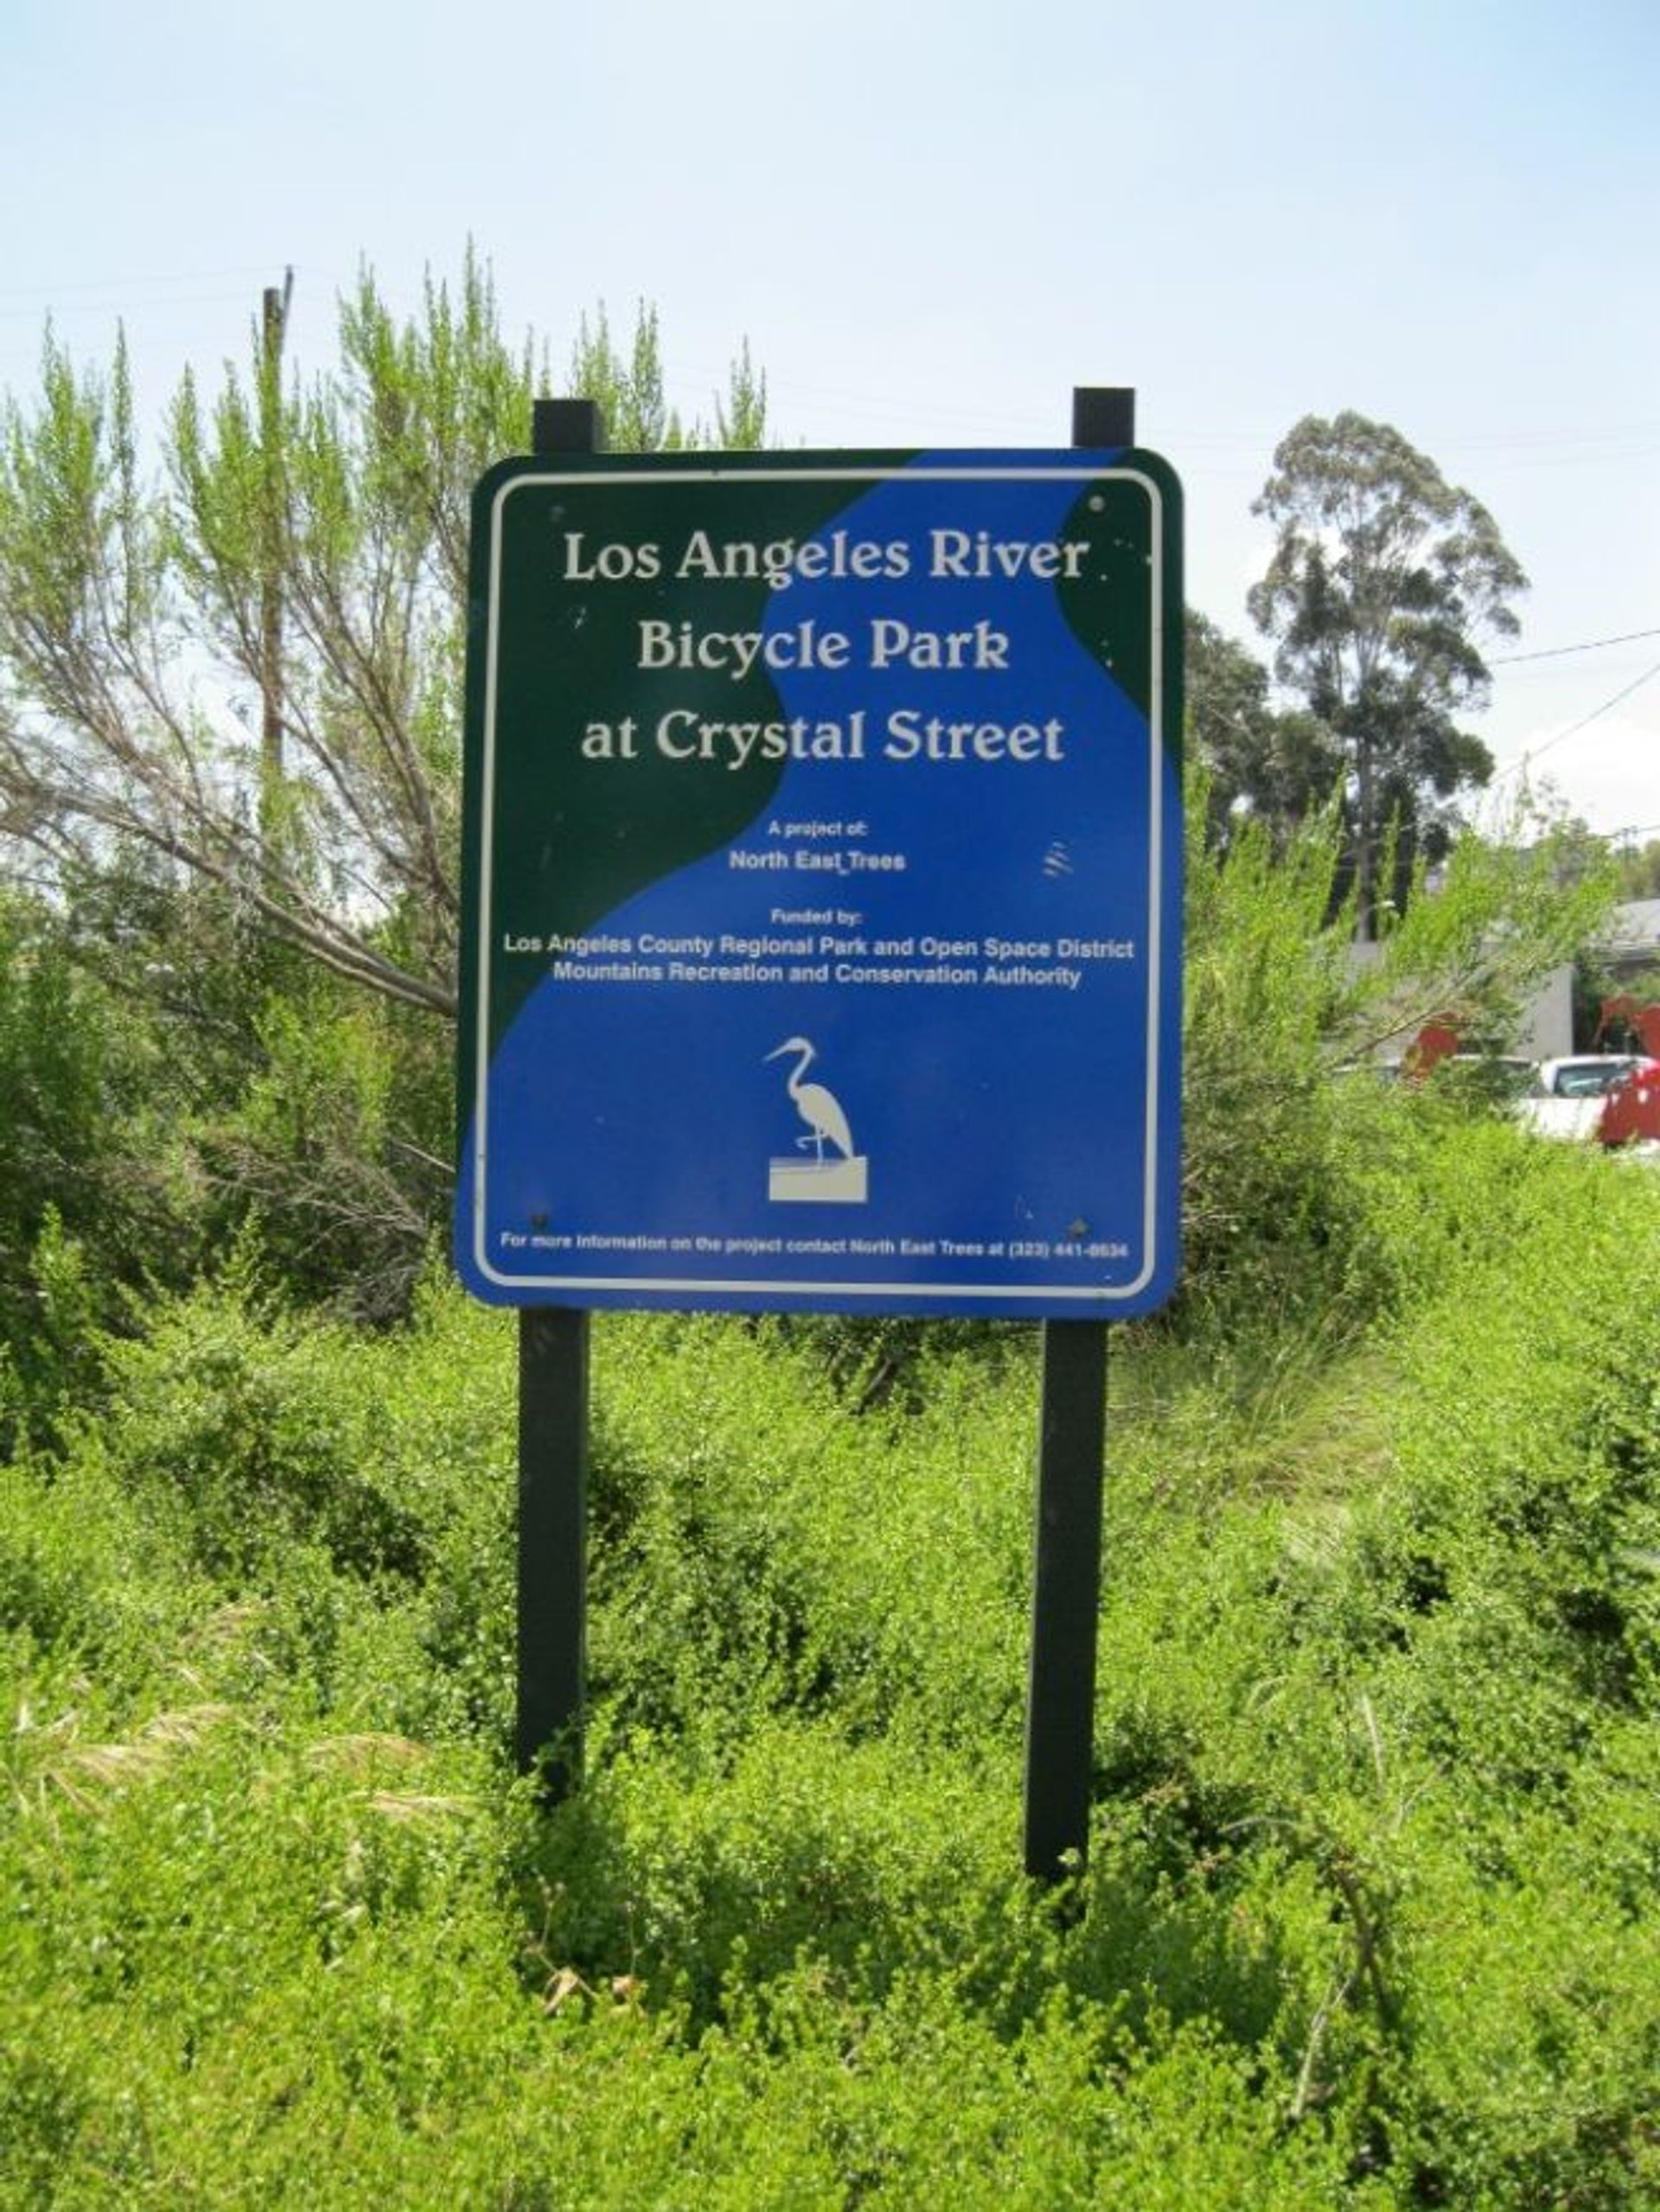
{"points": [[1369, 1917]]}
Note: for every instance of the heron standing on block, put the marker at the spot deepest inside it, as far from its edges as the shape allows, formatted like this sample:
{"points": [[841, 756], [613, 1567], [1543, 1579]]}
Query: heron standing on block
{"points": [[818, 1106]]}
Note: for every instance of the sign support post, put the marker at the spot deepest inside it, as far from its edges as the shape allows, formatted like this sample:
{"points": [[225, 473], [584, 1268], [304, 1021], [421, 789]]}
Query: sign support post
{"points": [[553, 1572], [1066, 1576], [1066, 1593]]}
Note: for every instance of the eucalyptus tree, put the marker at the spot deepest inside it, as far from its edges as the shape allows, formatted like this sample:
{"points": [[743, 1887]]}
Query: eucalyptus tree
{"points": [[295, 564], [1384, 582], [1265, 766]]}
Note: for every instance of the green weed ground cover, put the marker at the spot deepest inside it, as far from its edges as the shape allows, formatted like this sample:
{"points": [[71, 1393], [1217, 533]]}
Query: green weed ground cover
{"points": [[1372, 1911]]}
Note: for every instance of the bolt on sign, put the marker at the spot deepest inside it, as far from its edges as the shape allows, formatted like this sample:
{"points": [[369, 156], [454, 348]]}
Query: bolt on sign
{"points": [[823, 884]]}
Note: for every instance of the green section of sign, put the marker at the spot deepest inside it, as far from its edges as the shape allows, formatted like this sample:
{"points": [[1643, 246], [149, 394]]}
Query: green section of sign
{"points": [[571, 558], [1114, 515]]}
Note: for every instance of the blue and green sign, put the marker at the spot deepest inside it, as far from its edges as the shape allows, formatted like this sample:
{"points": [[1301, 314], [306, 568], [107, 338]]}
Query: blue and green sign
{"points": [[823, 884]]}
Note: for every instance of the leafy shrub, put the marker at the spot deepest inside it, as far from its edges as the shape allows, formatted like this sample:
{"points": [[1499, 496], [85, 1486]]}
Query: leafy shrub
{"points": [[335, 1147], [1278, 999], [1368, 1913]]}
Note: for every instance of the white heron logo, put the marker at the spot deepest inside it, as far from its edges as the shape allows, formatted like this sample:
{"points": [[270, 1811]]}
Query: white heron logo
{"points": [[842, 1178]]}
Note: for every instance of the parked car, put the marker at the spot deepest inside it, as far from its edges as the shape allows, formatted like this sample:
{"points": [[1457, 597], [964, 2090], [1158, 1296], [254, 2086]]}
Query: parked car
{"points": [[1570, 1096]]}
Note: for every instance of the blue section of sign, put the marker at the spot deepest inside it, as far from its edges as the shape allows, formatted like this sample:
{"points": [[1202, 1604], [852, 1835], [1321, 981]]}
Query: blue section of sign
{"points": [[902, 1045]]}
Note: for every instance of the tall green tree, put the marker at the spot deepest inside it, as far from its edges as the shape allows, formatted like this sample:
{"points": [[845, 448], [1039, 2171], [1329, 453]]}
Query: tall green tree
{"points": [[1384, 582], [1262, 765], [230, 745], [297, 566]]}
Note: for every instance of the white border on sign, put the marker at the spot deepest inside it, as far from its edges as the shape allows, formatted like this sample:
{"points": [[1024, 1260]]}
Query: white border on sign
{"points": [[716, 1286]]}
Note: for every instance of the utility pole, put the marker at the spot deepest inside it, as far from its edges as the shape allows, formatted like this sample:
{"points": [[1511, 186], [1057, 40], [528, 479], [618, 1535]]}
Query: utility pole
{"points": [[273, 327]]}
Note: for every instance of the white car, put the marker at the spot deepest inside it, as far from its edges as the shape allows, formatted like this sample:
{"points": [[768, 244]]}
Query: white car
{"points": [[1567, 1099]]}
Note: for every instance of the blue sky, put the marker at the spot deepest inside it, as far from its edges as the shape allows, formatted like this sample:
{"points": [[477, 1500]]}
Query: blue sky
{"points": [[931, 221]]}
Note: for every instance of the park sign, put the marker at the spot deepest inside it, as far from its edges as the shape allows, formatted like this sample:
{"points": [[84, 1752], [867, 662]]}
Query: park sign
{"points": [[822, 884]]}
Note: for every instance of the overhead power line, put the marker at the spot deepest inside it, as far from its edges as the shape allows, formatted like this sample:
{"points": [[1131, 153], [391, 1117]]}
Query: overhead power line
{"points": [[1520, 767], [1555, 652]]}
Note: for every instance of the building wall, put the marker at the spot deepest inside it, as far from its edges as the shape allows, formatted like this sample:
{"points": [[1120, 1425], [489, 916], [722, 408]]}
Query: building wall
{"points": [[1545, 1030]]}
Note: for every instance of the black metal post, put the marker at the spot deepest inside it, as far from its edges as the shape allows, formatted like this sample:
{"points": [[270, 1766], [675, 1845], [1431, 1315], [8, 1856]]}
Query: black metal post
{"points": [[552, 1632], [1066, 1592], [1103, 414], [553, 1541], [1066, 1580]]}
